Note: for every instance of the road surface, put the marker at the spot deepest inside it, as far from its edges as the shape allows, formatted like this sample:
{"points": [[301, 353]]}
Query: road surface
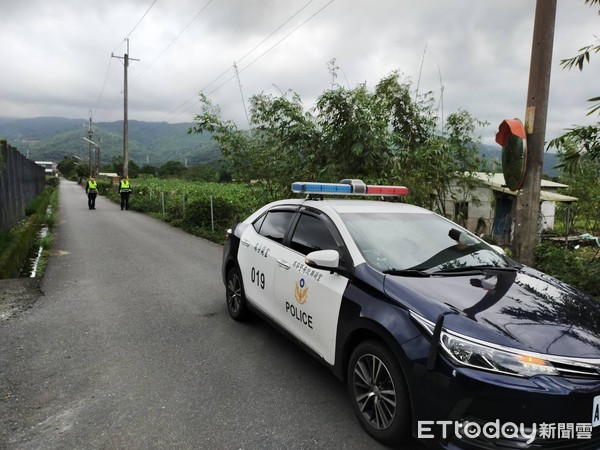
{"points": [[131, 347]]}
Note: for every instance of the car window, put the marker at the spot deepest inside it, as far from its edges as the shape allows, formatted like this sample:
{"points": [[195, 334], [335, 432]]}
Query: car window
{"points": [[397, 241], [274, 224], [311, 234]]}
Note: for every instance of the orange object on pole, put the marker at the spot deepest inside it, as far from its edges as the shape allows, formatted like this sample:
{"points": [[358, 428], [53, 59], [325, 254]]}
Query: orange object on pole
{"points": [[508, 127]]}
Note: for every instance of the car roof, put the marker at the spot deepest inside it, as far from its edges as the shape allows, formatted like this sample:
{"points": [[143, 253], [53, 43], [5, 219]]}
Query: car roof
{"points": [[341, 206]]}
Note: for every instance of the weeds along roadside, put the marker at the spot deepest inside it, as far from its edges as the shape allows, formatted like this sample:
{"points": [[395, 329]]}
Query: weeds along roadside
{"points": [[204, 209], [44, 240], [17, 242]]}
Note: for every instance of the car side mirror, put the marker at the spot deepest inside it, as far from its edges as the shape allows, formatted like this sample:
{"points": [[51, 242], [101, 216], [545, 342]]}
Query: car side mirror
{"points": [[324, 260]]}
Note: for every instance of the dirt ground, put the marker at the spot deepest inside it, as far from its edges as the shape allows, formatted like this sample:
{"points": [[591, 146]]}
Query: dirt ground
{"points": [[18, 295]]}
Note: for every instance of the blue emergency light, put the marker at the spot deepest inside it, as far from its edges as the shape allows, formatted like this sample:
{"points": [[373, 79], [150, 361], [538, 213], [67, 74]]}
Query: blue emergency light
{"points": [[348, 187]]}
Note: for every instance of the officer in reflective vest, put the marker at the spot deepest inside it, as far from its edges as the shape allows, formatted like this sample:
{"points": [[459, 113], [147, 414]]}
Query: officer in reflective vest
{"points": [[124, 191], [91, 189]]}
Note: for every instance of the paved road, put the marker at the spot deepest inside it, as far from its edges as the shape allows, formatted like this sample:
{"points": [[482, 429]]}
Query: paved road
{"points": [[131, 346]]}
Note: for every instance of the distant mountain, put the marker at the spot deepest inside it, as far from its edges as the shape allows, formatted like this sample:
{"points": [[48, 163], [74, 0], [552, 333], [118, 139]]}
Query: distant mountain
{"points": [[155, 143]]}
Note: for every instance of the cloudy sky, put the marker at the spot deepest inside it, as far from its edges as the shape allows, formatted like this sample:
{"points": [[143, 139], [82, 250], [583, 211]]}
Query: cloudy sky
{"points": [[56, 55]]}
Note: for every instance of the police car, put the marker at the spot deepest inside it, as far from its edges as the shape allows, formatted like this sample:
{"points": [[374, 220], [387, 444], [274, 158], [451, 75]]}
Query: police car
{"points": [[437, 334]]}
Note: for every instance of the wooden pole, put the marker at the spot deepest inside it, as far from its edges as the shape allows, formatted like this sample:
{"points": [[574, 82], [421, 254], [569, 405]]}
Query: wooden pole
{"points": [[528, 197]]}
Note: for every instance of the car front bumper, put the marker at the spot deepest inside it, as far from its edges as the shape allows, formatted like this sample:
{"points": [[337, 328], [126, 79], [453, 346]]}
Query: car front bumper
{"points": [[464, 408]]}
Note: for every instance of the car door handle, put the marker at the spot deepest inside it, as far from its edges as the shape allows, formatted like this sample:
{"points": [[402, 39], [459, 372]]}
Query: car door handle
{"points": [[283, 264], [245, 243]]}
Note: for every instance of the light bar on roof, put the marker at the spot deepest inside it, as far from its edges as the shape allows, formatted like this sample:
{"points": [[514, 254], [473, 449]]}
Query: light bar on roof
{"points": [[321, 188], [348, 187]]}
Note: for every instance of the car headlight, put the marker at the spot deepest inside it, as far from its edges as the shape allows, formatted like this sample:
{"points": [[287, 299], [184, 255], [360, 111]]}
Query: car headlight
{"points": [[489, 357]]}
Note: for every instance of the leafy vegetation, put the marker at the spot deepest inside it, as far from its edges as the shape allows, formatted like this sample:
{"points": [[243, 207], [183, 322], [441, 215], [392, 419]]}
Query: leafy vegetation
{"points": [[387, 135], [16, 243], [202, 208], [582, 179], [580, 269], [581, 141], [579, 153]]}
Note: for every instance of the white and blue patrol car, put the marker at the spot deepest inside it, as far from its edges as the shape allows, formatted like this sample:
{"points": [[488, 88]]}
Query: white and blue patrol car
{"points": [[437, 334]]}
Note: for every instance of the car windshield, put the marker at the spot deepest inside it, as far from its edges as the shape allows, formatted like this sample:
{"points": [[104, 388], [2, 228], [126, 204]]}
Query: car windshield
{"points": [[415, 241]]}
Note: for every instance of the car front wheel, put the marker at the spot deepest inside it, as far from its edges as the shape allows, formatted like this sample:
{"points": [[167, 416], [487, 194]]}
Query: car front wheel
{"points": [[236, 299], [378, 393]]}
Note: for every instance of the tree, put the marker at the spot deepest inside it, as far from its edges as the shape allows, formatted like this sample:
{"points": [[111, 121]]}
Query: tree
{"points": [[173, 169], [117, 166], [580, 140], [582, 178], [383, 135], [286, 142], [355, 138], [71, 167], [420, 161], [149, 170], [463, 148], [203, 172]]}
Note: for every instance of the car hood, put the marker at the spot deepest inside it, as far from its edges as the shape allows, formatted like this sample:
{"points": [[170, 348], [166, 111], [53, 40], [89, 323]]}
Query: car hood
{"points": [[525, 309]]}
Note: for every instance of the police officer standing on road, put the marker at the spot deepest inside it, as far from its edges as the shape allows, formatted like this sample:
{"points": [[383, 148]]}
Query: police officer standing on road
{"points": [[91, 189], [124, 191]]}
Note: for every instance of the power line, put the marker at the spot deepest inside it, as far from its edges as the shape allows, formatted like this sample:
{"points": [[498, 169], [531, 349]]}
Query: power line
{"points": [[160, 54], [110, 59], [269, 49], [136, 25], [286, 36], [252, 62], [249, 52], [255, 47], [276, 30], [104, 83], [230, 68], [176, 37]]}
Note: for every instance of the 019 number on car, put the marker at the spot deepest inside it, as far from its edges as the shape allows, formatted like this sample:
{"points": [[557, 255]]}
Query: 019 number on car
{"points": [[257, 277]]}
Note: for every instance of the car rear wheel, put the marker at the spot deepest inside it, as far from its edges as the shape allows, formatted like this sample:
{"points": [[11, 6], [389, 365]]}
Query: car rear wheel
{"points": [[378, 392], [236, 299]]}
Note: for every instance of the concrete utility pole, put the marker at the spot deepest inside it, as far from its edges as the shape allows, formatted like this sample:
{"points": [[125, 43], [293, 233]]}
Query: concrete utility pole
{"points": [[97, 146], [89, 139], [98, 158], [126, 60], [528, 197]]}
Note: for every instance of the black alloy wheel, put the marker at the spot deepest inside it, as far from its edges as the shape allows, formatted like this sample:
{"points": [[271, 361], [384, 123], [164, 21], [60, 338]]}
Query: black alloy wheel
{"points": [[378, 393], [236, 299]]}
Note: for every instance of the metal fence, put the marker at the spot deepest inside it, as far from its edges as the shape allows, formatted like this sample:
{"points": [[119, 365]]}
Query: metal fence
{"points": [[21, 181]]}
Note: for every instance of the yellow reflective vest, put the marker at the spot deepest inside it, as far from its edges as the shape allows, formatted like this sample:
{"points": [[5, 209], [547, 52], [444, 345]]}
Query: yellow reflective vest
{"points": [[92, 187], [124, 186]]}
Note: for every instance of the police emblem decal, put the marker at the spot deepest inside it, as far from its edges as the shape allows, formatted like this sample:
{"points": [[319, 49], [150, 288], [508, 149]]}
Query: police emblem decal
{"points": [[301, 292]]}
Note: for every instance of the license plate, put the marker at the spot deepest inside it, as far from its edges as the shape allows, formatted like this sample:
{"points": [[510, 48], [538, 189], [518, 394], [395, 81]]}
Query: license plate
{"points": [[596, 411]]}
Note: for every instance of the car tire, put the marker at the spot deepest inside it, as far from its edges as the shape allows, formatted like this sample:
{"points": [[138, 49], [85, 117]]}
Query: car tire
{"points": [[378, 393], [235, 296]]}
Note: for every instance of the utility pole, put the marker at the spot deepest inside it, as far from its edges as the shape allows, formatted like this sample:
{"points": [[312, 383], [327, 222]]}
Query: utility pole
{"points": [[126, 60], [98, 157], [528, 197], [97, 146], [237, 74], [90, 134]]}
